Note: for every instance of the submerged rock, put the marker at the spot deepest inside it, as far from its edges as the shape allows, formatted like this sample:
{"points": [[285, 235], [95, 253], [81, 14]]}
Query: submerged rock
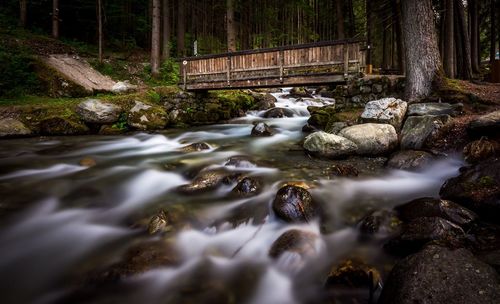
{"points": [[297, 241], [488, 124], [278, 113], [87, 162], [208, 180], [477, 188], [380, 224], [248, 186], [481, 150], [353, 274], [434, 207], [196, 147], [434, 108], [98, 112], [410, 160], [372, 139], [294, 204], [418, 129], [240, 161], [387, 110], [299, 92], [10, 127], [147, 117], [439, 275], [262, 129], [329, 145]]}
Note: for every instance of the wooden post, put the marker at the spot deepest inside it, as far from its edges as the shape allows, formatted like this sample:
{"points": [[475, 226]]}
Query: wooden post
{"points": [[346, 60], [184, 72], [281, 63], [228, 65]]}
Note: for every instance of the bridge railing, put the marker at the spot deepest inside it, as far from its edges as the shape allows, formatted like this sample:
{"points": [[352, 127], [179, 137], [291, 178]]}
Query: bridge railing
{"points": [[314, 63]]}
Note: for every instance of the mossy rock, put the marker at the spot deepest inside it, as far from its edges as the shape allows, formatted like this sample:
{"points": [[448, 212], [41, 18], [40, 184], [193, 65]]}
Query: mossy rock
{"points": [[55, 85], [62, 126], [147, 117]]}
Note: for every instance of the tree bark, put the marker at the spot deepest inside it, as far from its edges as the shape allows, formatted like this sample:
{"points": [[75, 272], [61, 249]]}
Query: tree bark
{"points": [[340, 19], [155, 39], [369, 23], [492, 31], [55, 19], [474, 34], [23, 12], [231, 27], [167, 30], [396, 7], [99, 25], [181, 28], [463, 41], [449, 40], [423, 63]]}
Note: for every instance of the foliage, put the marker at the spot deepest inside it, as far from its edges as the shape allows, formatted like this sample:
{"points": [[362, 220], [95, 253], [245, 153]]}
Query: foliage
{"points": [[121, 124], [154, 96], [17, 76], [169, 71]]}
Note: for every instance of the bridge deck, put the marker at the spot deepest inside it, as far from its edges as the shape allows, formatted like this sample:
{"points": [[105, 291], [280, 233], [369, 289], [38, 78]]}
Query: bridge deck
{"points": [[306, 64]]}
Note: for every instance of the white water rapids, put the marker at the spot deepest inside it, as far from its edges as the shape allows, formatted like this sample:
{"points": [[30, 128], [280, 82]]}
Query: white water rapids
{"points": [[60, 219]]}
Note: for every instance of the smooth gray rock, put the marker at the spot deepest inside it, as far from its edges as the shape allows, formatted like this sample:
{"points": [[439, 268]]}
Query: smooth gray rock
{"points": [[439, 275], [418, 129], [387, 110], [10, 127], [433, 108], [372, 139], [329, 145], [98, 112]]}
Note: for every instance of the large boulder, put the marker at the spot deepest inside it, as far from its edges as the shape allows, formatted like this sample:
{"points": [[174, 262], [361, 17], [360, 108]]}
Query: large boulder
{"points": [[439, 275], [433, 108], [372, 139], [147, 117], [265, 101], [410, 160], [10, 127], [480, 150], [329, 145], [123, 87], [294, 204], [477, 188], [98, 112], [278, 113], [488, 124], [418, 129], [387, 110]]}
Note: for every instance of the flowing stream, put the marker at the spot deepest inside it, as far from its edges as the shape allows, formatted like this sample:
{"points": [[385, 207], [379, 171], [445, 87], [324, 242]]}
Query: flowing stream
{"points": [[61, 221]]}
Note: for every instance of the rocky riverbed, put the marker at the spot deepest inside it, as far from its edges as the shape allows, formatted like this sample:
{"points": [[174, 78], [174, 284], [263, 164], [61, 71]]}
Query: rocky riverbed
{"points": [[298, 200]]}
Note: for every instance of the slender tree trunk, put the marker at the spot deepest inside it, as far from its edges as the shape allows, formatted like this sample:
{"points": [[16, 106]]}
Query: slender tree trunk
{"points": [[423, 63], [181, 28], [99, 25], [231, 26], [368, 6], [474, 34], [55, 19], [155, 38], [23, 12], [167, 30], [492, 31], [385, 57], [449, 39], [340, 19], [464, 42], [396, 7]]}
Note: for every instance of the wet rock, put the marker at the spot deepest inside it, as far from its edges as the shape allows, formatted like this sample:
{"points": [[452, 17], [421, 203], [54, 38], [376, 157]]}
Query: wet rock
{"points": [[484, 238], [296, 241], [481, 150], [423, 230], [10, 127], [123, 87], [418, 129], [341, 170], [322, 116], [307, 128], [380, 224], [434, 108], [410, 160], [278, 113], [434, 207], [477, 188], [62, 126], [96, 111], [488, 124], [240, 161], [147, 117], [264, 101], [387, 110], [112, 130], [294, 204], [158, 222], [208, 180], [353, 274], [329, 145], [248, 186], [87, 162], [299, 92], [335, 127], [372, 139], [262, 129], [439, 275], [195, 147]]}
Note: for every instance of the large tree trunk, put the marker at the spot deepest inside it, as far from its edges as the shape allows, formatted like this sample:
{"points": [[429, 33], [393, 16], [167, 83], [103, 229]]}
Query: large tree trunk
{"points": [[340, 19], [99, 25], [23, 12], [231, 27], [493, 35], [155, 39], [396, 7], [181, 28], [449, 40], [463, 41], [423, 63], [474, 34], [167, 30], [55, 19]]}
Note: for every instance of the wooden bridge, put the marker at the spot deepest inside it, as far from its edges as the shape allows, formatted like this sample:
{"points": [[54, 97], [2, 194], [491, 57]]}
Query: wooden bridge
{"points": [[297, 65]]}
